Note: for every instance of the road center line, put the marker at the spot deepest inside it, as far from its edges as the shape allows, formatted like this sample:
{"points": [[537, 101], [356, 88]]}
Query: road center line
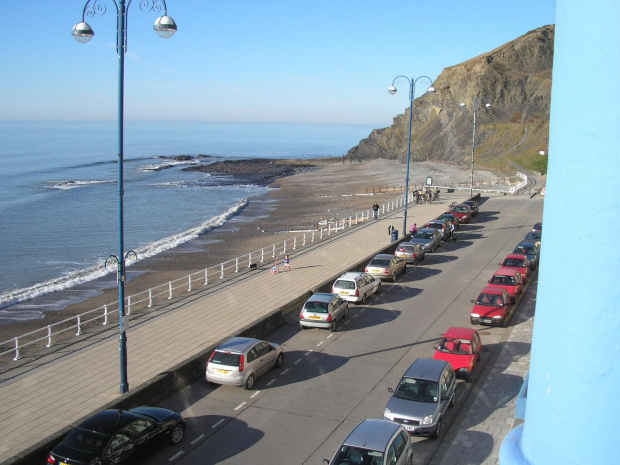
{"points": [[329, 336], [320, 343], [255, 394], [271, 382], [285, 371], [176, 456], [297, 361], [199, 438], [240, 405], [219, 422], [309, 352]]}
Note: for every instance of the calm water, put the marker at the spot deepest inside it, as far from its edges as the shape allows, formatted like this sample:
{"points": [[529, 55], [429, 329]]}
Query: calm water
{"points": [[58, 193]]}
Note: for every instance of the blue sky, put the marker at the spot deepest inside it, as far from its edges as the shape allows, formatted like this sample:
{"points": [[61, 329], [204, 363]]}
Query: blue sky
{"points": [[292, 61]]}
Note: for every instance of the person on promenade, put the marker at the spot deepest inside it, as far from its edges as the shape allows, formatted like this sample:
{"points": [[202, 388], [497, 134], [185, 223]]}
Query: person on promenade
{"points": [[413, 229], [375, 210], [287, 263]]}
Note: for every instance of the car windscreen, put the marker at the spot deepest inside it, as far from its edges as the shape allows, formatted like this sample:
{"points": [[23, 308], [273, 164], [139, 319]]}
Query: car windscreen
{"points": [[460, 209], [423, 235], [225, 358], [501, 279], [514, 262], [344, 284], [490, 300], [85, 441], [455, 346], [417, 390], [316, 307], [351, 454], [384, 262]]}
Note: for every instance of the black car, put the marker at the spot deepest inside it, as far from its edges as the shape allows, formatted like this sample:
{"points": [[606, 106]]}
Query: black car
{"points": [[118, 436], [474, 207]]}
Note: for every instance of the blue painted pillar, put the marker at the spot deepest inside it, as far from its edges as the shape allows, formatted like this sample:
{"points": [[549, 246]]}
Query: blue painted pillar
{"points": [[574, 381]]}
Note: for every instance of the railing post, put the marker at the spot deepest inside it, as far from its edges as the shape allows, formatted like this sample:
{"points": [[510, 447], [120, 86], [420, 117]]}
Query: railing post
{"points": [[304, 244], [49, 336], [351, 220], [222, 271], [189, 284], [150, 298], [236, 264], [321, 232], [79, 326], [17, 356], [206, 276], [284, 251], [312, 237], [356, 218], [329, 228], [249, 259], [129, 305], [295, 243], [105, 315], [262, 255], [169, 290], [383, 208], [274, 251]]}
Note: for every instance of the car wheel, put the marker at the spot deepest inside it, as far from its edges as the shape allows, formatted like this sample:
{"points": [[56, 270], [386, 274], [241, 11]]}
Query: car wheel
{"points": [[437, 431], [471, 374], [393, 277], [249, 383], [280, 360], [404, 269], [363, 299], [378, 291], [346, 312], [334, 327], [177, 433], [301, 326]]}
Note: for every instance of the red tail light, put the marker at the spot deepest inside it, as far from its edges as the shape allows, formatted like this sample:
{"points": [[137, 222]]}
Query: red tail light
{"points": [[241, 363], [366, 270], [51, 459], [387, 271], [357, 293], [329, 318], [332, 290], [212, 355]]}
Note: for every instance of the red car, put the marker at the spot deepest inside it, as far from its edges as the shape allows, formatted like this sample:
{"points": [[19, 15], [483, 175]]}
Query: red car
{"points": [[520, 262], [463, 211], [510, 279], [492, 307], [460, 347]]}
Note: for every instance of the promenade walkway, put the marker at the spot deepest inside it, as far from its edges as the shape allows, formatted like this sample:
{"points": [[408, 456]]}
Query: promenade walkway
{"points": [[40, 401]]}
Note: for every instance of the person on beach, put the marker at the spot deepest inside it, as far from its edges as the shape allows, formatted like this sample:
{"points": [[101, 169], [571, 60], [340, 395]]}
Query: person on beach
{"points": [[287, 263], [375, 210]]}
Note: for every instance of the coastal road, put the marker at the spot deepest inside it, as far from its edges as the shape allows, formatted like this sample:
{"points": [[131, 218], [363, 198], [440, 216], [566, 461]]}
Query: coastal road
{"points": [[331, 381]]}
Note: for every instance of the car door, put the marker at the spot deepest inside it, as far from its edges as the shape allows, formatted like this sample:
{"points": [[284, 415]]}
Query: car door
{"points": [[398, 452], [265, 356], [337, 306], [445, 391]]}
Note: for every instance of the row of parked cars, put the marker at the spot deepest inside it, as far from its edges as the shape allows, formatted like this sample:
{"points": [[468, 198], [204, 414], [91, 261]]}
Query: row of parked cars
{"points": [[496, 303]]}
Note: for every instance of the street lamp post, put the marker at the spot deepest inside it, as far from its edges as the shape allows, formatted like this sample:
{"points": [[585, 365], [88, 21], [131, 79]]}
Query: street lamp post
{"points": [[476, 102], [392, 90], [165, 27]]}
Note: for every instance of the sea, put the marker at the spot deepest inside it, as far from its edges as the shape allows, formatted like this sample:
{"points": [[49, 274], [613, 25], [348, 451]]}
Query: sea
{"points": [[59, 194]]}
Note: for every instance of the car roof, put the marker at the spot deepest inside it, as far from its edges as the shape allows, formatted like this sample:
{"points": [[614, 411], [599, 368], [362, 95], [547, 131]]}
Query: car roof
{"points": [[238, 344], [108, 421], [426, 368], [351, 275], [383, 255], [430, 230], [527, 243], [324, 296], [436, 221], [516, 255], [372, 434], [505, 271], [460, 333], [491, 289]]}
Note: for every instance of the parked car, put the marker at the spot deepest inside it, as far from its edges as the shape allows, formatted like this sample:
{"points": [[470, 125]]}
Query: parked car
{"points": [[533, 236], [520, 262], [241, 360], [537, 227], [410, 252], [492, 307], [375, 442], [510, 279], [429, 239], [475, 208], [463, 211], [323, 310], [356, 286], [119, 436], [443, 226], [385, 266], [452, 218], [460, 347], [422, 397], [531, 249]]}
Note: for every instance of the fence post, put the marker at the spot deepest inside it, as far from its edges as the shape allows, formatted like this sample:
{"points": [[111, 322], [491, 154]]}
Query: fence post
{"points": [[329, 228], [17, 356], [249, 259], [383, 207], [222, 271], [321, 232], [284, 251], [294, 242], [150, 298], [262, 255], [49, 336], [356, 218], [274, 251], [79, 325], [169, 290], [236, 264], [206, 276], [129, 305], [304, 244], [189, 285], [105, 315]]}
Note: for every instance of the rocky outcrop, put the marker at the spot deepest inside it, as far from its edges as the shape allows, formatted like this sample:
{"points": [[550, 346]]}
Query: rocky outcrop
{"points": [[514, 78]]}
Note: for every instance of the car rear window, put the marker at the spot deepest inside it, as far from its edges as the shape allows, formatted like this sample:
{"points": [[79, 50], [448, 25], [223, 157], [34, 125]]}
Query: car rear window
{"points": [[380, 262], [423, 235], [344, 284], [85, 441], [316, 307], [505, 280], [225, 358], [514, 262], [406, 248]]}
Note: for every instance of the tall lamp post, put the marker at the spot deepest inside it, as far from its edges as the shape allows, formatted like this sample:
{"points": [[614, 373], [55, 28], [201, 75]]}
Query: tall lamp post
{"points": [[165, 27], [392, 90], [476, 102]]}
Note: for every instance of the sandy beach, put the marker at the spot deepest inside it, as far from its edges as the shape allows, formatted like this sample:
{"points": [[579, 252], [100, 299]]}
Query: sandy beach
{"points": [[296, 203]]}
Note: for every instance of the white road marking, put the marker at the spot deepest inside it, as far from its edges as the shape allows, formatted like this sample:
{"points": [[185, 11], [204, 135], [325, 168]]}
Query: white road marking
{"points": [[329, 336], [362, 309], [218, 423], [176, 456], [199, 438], [309, 352], [271, 382], [297, 361], [348, 322], [255, 394], [240, 405], [320, 343], [355, 316], [285, 371]]}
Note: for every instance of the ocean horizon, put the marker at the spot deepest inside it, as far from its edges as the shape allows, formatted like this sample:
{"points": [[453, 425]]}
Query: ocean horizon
{"points": [[59, 200]]}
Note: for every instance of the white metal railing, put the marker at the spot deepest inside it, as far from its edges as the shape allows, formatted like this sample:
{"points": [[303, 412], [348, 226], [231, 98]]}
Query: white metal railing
{"points": [[108, 313], [514, 189]]}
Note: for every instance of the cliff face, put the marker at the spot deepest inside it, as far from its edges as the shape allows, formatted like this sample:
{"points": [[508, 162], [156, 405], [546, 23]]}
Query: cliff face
{"points": [[514, 78]]}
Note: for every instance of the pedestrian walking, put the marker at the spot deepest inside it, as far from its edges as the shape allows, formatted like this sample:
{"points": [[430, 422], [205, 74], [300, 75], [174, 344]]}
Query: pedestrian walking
{"points": [[287, 263], [375, 210]]}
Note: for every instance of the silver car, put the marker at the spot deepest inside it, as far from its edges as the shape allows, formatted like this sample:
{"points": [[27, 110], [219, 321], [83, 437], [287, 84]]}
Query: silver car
{"points": [[240, 360], [384, 266], [323, 310], [375, 442], [410, 252], [422, 397], [356, 286], [429, 239]]}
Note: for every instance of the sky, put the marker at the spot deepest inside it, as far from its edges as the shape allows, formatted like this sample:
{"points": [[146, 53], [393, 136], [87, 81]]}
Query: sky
{"points": [[285, 61]]}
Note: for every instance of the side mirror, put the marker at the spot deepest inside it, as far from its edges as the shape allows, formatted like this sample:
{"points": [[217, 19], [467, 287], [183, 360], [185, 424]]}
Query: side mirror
{"points": [[326, 461], [390, 390], [473, 301]]}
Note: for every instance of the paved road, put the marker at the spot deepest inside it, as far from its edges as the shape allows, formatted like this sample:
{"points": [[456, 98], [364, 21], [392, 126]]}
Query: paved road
{"points": [[332, 381]]}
